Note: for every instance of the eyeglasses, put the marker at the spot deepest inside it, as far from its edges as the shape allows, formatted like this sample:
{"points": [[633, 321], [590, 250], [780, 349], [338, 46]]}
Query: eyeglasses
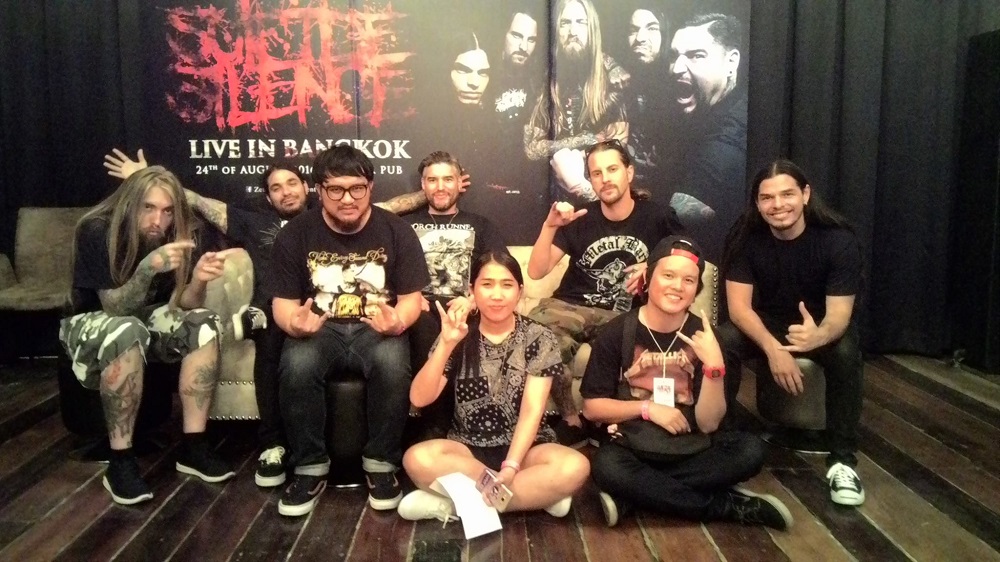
{"points": [[336, 193]]}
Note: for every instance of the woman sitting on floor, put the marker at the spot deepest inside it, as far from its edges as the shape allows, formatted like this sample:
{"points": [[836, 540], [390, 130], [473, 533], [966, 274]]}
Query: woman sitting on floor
{"points": [[501, 374]]}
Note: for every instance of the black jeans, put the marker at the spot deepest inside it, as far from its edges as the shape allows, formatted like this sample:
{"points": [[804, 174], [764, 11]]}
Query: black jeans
{"points": [[267, 353], [335, 350], [694, 488], [843, 368]]}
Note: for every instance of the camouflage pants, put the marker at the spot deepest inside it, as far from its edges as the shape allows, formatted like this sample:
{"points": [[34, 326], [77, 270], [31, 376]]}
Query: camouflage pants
{"points": [[93, 340], [573, 325]]}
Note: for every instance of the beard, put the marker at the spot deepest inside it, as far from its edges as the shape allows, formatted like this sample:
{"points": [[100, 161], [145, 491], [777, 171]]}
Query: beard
{"points": [[572, 69]]}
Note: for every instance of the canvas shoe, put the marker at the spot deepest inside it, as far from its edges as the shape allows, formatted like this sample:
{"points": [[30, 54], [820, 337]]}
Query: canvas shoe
{"points": [[614, 510], [197, 458], [421, 504], [383, 490], [247, 321], [301, 496], [751, 508], [560, 508], [845, 485], [270, 468], [123, 480]]}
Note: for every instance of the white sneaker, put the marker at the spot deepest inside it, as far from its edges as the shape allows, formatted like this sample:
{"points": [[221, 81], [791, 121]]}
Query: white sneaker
{"points": [[610, 509], [560, 508], [845, 485], [420, 504]]}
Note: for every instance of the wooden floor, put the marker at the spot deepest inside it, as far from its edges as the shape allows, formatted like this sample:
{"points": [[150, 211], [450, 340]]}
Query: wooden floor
{"points": [[929, 461]]}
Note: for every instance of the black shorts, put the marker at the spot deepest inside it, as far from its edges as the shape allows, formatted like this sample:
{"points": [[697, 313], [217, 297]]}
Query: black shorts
{"points": [[492, 457]]}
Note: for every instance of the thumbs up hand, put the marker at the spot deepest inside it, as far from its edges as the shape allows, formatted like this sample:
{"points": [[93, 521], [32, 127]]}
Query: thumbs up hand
{"points": [[805, 336]]}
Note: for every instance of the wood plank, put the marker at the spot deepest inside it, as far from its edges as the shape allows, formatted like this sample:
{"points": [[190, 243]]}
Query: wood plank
{"points": [[976, 408], [849, 527], [272, 535], [671, 538], [984, 387], [554, 539], [937, 457], [961, 432], [621, 542], [515, 538], [435, 541], [48, 492], [380, 535], [38, 466], [737, 542], [37, 392], [18, 451], [919, 530]]}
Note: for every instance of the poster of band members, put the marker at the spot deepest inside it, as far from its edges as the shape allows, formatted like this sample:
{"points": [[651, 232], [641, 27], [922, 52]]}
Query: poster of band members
{"points": [[515, 90]]}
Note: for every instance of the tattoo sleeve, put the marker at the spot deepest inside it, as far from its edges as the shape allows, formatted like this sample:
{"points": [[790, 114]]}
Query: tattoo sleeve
{"points": [[213, 210], [202, 387], [121, 404], [130, 297], [536, 146], [405, 203]]}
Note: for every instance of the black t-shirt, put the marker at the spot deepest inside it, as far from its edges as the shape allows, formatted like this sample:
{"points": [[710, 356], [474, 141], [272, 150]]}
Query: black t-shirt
{"points": [[92, 270], [255, 231], [346, 274], [600, 249], [452, 243], [604, 370], [820, 262]]}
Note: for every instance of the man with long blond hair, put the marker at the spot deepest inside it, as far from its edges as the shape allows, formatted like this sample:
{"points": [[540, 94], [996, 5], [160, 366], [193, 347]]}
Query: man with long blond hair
{"points": [[581, 106], [135, 295]]}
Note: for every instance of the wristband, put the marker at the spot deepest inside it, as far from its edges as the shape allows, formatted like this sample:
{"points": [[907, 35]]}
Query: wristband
{"points": [[511, 464], [713, 372], [645, 409]]}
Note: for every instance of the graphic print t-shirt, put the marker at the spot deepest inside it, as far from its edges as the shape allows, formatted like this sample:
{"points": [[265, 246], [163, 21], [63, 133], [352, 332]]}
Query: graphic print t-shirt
{"points": [[347, 275], [452, 243], [488, 400], [601, 249]]}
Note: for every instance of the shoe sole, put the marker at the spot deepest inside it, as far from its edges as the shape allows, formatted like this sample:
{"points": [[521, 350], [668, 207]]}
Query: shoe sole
{"points": [[126, 501], [610, 509], [775, 503], [303, 508], [207, 478], [385, 505], [268, 481], [856, 501]]}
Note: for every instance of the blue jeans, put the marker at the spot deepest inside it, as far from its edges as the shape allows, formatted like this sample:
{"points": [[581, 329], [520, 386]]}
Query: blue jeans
{"points": [[694, 488], [334, 351]]}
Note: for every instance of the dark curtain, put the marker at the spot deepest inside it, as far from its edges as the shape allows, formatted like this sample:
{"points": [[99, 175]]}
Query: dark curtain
{"points": [[863, 94]]}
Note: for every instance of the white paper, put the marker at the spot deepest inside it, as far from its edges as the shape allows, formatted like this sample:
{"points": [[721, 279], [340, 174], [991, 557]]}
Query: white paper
{"points": [[663, 391], [477, 517]]}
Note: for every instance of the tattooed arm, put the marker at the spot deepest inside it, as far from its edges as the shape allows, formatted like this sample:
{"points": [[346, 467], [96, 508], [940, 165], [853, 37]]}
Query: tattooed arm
{"points": [[131, 297], [536, 146], [213, 210], [405, 203]]}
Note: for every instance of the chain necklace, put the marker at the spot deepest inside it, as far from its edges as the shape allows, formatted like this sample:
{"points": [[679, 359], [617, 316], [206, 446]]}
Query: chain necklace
{"points": [[672, 342], [436, 223]]}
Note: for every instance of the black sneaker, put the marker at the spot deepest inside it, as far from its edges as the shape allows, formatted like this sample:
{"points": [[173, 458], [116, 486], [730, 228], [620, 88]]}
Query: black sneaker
{"points": [[614, 510], [751, 508], [845, 486], [123, 480], [248, 321], [570, 435], [301, 496], [383, 490], [271, 468], [197, 458]]}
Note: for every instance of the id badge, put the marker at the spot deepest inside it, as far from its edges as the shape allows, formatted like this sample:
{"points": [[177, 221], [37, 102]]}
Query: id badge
{"points": [[663, 391]]}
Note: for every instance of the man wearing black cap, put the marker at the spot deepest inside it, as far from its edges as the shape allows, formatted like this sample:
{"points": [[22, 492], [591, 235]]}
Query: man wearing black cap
{"points": [[657, 375]]}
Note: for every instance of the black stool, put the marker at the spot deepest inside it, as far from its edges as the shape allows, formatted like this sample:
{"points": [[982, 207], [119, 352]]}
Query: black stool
{"points": [[346, 430], [798, 422]]}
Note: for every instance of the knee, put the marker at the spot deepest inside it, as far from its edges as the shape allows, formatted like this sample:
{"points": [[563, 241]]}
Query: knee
{"points": [[391, 360], [205, 325], [748, 450], [418, 459], [300, 363], [574, 469]]}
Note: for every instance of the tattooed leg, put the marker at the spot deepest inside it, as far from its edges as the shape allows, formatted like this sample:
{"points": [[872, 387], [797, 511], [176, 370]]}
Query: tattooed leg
{"points": [[199, 374], [121, 391]]}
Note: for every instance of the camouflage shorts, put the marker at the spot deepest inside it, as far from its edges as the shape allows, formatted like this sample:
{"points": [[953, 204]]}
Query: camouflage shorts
{"points": [[572, 324], [93, 340]]}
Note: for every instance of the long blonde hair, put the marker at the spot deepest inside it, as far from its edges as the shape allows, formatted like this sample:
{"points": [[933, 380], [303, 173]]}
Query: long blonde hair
{"points": [[121, 210], [596, 91]]}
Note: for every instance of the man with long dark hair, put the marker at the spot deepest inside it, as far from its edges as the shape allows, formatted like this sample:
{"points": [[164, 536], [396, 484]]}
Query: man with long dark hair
{"points": [[137, 296], [793, 269]]}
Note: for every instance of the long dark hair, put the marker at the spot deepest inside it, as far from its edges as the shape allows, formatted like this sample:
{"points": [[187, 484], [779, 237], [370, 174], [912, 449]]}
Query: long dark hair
{"points": [[816, 213], [467, 353]]}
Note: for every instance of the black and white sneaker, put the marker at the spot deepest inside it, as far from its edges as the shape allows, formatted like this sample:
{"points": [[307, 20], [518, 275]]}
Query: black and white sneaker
{"points": [[123, 480], [245, 322], [199, 459], [384, 492], [614, 510], [270, 468], [301, 496], [845, 485], [750, 508]]}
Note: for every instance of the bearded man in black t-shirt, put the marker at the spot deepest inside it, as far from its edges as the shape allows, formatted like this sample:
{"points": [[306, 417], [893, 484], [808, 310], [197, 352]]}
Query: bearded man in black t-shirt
{"points": [[608, 243], [138, 291], [346, 279], [793, 269]]}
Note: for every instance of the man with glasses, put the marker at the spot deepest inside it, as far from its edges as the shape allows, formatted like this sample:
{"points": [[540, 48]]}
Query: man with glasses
{"points": [[346, 280], [608, 242]]}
